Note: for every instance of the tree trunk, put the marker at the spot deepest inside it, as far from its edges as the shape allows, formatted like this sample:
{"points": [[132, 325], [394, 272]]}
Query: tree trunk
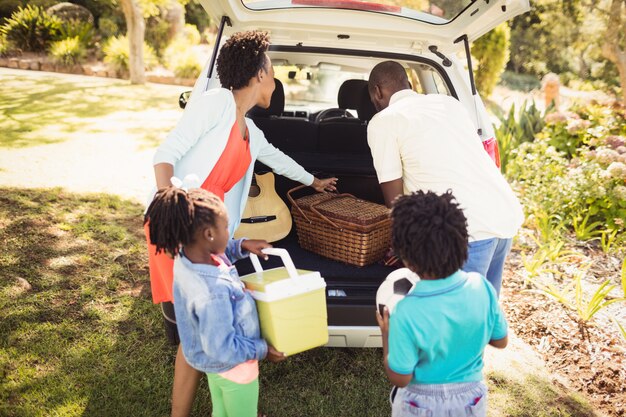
{"points": [[611, 49], [136, 27]]}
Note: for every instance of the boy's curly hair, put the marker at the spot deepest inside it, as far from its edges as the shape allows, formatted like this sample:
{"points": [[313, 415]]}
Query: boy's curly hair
{"points": [[429, 233], [241, 57]]}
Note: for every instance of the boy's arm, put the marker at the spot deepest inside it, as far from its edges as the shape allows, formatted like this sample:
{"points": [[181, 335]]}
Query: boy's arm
{"points": [[399, 380], [500, 343]]}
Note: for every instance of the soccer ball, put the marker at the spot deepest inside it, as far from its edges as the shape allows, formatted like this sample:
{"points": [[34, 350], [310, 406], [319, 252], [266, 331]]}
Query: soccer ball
{"points": [[394, 288]]}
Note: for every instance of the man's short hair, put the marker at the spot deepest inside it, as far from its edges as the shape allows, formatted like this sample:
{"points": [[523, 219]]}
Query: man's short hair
{"points": [[388, 73]]}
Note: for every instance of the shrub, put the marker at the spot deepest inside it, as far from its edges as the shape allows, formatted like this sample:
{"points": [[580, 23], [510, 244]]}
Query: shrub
{"points": [[31, 29], [514, 130], [180, 58], [492, 52], [68, 51], [187, 66], [84, 31], [108, 27], [4, 46], [191, 34], [520, 82], [116, 54]]}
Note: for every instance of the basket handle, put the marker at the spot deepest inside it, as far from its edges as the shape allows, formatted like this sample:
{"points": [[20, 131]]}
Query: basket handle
{"points": [[293, 202], [314, 210], [284, 256]]}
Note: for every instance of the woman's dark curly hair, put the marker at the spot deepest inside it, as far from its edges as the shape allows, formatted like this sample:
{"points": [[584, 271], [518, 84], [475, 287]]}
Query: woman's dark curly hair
{"points": [[241, 58], [429, 233], [175, 214]]}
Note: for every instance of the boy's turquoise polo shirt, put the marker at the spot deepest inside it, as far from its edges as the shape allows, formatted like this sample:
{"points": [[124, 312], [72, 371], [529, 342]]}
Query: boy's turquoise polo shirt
{"points": [[439, 331]]}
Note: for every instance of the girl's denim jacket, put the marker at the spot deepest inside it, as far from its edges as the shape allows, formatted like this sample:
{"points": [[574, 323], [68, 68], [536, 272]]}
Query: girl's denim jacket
{"points": [[217, 319]]}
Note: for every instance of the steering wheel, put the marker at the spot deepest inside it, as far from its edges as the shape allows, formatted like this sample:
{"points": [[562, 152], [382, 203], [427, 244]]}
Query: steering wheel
{"points": [[331, 113]]}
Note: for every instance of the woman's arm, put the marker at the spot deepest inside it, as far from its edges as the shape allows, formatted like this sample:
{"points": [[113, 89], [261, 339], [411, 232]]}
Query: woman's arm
{"points": [[201, 114], [163, 173], [285, 165]]}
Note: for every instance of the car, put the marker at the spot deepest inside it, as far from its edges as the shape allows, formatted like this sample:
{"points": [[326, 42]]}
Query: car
{"points": [[322, 52]]}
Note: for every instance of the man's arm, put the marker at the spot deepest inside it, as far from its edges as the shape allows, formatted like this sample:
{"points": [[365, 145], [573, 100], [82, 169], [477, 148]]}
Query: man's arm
{"points": [[391, 190]]}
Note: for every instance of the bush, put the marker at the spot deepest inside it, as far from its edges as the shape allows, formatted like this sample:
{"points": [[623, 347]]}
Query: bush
{"points": [[191, 34], [116, 54], [84, 31], [4, 46], [68, 51], [576, 168], [181, 59], [31, 29], [492, 52], [187, 66], [108, 27], [520, 82]]}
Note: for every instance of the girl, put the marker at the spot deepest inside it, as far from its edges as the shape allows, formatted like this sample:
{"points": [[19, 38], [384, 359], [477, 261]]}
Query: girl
{"points": [[217, 319], [215, 140]]}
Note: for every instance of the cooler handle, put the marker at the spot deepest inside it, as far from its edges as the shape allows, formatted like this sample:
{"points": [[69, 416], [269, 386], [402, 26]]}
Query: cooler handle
{"points": [[284, 256]]}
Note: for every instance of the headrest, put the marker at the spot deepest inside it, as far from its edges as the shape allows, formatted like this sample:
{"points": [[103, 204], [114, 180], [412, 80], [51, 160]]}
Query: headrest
{"points": [[353, 94], [277, 103]]}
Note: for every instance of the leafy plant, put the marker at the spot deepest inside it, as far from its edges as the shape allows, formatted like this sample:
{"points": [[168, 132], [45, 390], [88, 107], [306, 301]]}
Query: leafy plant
{"points": [[516, 128], [608, 238], [116, 54], [624, 277], [492, 53], [187, 66], [549, 226], [574, 299], [620, 327], [583, 229], [84, 31], [68, 51], [31, 29]]}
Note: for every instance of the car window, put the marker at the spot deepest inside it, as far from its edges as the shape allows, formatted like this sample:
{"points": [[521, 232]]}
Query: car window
{"points": [[431, 11], [314, 88]]}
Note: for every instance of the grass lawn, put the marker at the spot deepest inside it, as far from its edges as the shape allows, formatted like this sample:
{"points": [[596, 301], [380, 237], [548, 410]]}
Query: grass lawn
{"points": [[39, 108], [86, 340]]}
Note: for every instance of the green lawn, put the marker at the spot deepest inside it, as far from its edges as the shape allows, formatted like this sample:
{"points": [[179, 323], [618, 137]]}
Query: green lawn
{"points": [[39, 108], [86, 339]]}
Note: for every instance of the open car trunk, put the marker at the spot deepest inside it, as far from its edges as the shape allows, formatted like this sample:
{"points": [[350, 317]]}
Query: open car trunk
{"points": [[351, 290]]}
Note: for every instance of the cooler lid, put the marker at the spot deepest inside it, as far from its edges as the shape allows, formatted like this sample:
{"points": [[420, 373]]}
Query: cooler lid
{"points": [[274, 284]]}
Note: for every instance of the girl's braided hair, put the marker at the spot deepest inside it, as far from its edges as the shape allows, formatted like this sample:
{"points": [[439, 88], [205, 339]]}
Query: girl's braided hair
{"points": [[175, 215], [241, 57], [429, 233]]}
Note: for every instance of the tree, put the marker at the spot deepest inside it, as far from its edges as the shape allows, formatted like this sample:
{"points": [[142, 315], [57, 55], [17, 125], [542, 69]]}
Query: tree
{"points": [[614, 44], [492, 53], [136, 28], [135, 13]]}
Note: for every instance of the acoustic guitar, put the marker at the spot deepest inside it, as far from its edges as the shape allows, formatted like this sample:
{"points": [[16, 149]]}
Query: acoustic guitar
{"points": [[266, 215]]}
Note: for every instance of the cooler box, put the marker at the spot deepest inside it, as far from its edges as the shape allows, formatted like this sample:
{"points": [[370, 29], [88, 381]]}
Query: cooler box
{"points": [[291, 304]]}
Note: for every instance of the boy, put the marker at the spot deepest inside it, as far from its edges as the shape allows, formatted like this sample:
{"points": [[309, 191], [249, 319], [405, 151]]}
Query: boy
{"points": [[434, 342]]}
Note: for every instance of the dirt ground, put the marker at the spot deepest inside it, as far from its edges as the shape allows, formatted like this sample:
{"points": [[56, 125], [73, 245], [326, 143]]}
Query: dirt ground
{"points": [[544, 341]]}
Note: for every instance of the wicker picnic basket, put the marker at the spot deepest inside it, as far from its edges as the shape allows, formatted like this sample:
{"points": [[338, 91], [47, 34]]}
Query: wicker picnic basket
{"points": [[341, 227]]}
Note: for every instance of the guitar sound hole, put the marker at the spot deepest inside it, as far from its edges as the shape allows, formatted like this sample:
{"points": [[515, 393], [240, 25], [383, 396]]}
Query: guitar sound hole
{"points": [[255, 190]]}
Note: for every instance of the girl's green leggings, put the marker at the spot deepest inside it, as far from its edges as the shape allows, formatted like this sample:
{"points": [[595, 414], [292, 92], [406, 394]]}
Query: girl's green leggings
{"points": [[231, 399]]}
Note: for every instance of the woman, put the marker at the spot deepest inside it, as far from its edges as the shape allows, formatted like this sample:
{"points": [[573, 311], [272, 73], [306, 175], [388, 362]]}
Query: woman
{"points": [[215, 141]]}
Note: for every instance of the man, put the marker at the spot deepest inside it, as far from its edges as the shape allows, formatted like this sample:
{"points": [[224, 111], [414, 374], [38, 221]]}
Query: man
{"points": [[428, 142]]}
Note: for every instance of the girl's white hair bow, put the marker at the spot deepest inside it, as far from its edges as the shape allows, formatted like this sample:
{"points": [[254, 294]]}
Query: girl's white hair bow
{"points": [[190, 181]]}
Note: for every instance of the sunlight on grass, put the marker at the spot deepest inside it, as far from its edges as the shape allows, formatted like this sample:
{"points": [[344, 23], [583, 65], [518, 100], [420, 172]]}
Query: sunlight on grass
{"points": [[40, 108], [86, 340]]}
